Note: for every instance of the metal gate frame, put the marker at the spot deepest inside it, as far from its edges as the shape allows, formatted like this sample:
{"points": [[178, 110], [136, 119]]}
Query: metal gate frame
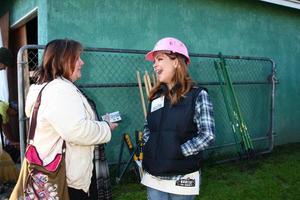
{"points": [[21, 99]]}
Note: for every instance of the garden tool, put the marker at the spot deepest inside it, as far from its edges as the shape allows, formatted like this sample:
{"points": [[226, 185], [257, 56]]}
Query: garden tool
{"points": [[233, 110], [132, 157], [141, 93]]}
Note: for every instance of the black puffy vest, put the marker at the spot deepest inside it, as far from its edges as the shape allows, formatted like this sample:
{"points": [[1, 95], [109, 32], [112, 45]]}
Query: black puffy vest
{"points": [[170, 127]]}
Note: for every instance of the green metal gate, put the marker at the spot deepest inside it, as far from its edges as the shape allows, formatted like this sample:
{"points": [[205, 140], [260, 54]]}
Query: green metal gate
{"points": [[109, 78]]}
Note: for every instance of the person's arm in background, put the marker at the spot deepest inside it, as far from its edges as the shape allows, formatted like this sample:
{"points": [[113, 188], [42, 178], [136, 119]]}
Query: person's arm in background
{"points": [[7, 112], [4, 111], [205, 124]]}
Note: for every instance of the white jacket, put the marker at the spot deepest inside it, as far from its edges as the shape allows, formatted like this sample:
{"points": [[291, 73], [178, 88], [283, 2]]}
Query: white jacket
{"points": [[65, 113]]}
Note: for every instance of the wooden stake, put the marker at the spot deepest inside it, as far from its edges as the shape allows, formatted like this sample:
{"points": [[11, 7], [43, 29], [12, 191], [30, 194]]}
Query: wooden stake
{"points": [[153, 79], [148, 81], [141, 93], [146, 85]]}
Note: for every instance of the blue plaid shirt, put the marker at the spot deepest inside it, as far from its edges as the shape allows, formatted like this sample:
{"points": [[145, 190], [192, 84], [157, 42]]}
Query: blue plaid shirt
{"points": [[206, 128]]}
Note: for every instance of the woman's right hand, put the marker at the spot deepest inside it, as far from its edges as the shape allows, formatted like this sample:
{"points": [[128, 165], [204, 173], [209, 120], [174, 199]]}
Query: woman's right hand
{"points": [[112, 126]]}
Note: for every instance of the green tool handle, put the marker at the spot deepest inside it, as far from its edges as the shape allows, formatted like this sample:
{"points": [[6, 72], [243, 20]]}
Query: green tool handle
{"points": [[228, 107], [242, 126]]}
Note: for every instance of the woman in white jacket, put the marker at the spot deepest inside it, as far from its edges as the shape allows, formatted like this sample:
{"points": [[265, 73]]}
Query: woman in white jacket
{"points": [[65, 114]]}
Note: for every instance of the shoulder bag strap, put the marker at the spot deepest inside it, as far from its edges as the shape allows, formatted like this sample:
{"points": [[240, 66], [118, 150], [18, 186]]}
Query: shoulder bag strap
{"points": [[32, 125]]}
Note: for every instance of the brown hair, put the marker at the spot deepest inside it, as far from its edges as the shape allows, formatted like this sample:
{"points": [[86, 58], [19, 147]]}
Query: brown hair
{"points": [[59, 59], [181, 79]]}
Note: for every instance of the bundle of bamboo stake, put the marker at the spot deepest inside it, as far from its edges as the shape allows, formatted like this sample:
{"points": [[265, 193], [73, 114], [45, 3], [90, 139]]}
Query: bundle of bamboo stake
{"points": [[148, 86]]}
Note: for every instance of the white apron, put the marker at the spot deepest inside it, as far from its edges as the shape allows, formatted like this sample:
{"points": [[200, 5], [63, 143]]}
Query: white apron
{"points": [[189, 184]]}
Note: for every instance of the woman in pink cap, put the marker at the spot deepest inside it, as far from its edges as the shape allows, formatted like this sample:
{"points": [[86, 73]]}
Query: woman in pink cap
{"points": [[179, 126]]}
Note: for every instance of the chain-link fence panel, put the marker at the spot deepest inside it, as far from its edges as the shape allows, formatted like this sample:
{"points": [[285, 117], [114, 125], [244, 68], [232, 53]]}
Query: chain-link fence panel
{"points": [[109, 78], [253, 82]]}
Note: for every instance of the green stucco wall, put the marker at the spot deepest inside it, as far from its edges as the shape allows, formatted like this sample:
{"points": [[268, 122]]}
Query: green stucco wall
{"points": [[20, 8], [234, 27]]}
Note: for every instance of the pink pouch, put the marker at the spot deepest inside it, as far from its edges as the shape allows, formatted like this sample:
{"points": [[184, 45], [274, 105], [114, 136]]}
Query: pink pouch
{"points": [[33, 157]]}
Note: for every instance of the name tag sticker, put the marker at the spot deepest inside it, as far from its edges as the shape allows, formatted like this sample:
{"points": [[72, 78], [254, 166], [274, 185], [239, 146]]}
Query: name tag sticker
{"points": [[186, 182], [157, 103]]}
